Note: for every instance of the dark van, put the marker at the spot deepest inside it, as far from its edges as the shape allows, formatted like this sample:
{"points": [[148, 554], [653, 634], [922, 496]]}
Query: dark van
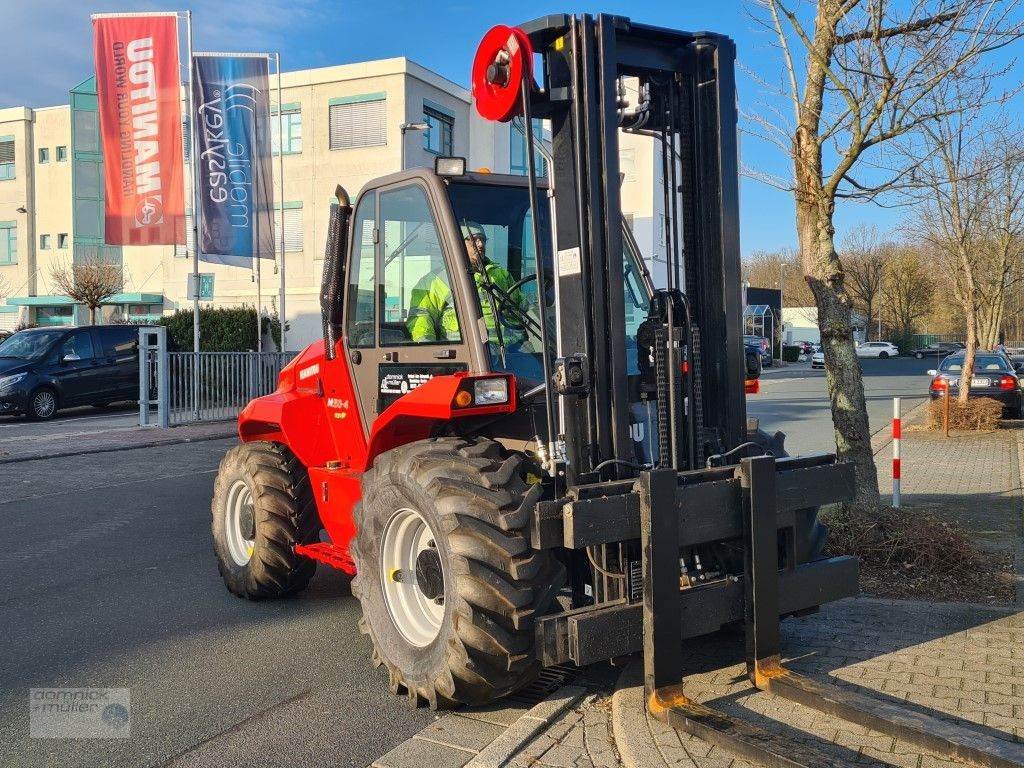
{"points": [[45, 369]]}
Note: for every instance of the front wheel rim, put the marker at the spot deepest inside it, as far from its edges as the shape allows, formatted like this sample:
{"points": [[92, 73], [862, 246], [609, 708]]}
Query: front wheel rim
{"points": [[239, 523], [44, 404], [412, 577]]}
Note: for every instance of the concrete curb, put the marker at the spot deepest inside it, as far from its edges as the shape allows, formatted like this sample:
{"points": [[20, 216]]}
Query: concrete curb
{"points": [[488, 737], [1019, 549], [113, 448], [503, 749], [633, 738]]}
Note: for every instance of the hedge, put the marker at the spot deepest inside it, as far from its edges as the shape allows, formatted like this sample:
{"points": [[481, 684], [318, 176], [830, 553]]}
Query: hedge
{"points": [[221, 329]]}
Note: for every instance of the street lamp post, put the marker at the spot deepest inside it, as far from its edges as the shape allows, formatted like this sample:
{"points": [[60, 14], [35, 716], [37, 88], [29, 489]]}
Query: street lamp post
{"points": [[404, 128], [782, 325]]}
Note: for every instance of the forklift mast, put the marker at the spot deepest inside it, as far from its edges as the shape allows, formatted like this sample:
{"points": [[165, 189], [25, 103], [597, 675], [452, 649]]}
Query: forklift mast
{"points": [[686, 103]]}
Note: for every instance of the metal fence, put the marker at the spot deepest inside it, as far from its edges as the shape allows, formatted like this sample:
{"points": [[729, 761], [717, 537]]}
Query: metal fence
{"points": [[190, 387], [213, 386]]}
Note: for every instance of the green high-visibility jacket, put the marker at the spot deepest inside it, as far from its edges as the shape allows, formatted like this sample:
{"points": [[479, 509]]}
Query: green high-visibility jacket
{"points": [[432, 308]]}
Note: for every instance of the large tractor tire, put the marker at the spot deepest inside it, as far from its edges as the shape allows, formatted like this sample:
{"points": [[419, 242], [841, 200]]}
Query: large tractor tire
{"points": [[448, 583], [810, 532], [262, 507]]}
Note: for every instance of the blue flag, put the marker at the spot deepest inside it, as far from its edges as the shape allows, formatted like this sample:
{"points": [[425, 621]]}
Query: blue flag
{"points": [[230, 96]]}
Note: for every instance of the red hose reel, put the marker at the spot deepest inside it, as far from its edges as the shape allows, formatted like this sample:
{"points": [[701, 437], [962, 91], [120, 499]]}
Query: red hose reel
{"points": [[502, 59]]}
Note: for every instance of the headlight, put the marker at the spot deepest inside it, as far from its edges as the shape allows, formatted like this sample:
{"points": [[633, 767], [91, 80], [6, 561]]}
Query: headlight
{"points": [[490, 391], [8, 382]]}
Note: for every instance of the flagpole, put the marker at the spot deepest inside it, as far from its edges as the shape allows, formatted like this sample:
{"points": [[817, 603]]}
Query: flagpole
{"points": [[282, 315], [257, 250], [196, 213]]}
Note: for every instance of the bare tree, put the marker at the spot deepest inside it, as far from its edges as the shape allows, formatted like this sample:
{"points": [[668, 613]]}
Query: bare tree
{"points": [[1002, 224], [908, 290], [864, 255], [762, 269], [857, 74], [89, 282]]}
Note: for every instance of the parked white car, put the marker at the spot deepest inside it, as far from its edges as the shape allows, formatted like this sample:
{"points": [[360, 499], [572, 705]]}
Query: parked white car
{"points": [[882, 349], [818, 360]]}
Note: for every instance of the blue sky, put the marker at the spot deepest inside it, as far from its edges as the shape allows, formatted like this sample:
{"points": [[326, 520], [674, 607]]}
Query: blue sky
{"points": [[48, 50]]}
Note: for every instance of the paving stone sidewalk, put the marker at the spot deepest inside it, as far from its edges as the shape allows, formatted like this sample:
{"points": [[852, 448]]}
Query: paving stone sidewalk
{"points": [[964, 662], [75, 442]]}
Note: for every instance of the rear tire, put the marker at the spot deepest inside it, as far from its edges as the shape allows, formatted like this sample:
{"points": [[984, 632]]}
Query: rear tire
{"points": [[883, 355], [458, 628], [262, 507]]}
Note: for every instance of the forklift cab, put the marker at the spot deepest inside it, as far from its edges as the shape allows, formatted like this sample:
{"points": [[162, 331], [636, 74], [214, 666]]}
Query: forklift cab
{"points": [[441, 278]]}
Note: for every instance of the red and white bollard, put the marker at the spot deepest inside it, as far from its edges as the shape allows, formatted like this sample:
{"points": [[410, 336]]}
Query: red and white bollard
{"points": [[896, 430]]}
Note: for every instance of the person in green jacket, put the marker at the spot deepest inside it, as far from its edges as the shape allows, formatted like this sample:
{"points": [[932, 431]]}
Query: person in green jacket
{"points": [[432, 308]]}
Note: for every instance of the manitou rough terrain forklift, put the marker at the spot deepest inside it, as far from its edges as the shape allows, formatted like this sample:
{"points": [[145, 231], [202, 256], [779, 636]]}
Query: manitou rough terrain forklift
{"points": [[524, 452]]}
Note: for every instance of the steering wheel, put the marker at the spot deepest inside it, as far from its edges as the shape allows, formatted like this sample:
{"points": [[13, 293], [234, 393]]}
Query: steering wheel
{"points": [[500, 318]]}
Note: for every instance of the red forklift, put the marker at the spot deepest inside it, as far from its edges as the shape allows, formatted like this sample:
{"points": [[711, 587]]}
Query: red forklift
{"points": [[524, 451]]}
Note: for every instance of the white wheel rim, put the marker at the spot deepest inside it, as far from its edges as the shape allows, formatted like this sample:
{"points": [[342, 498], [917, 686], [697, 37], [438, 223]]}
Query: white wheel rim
{"points": [[416, 615], [45, 403], [238, 506]]}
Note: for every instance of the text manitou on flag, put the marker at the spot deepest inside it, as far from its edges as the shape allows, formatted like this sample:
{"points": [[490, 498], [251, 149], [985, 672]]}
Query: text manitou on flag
{"points": [[138, 86], [232, 118]]}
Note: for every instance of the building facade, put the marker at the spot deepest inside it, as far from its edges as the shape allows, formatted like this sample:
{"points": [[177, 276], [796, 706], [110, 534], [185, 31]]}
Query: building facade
{"points": [[344, 125]]}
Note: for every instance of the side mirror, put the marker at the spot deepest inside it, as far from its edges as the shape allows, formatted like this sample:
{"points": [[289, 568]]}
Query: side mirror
{"points": [[1018, 367], [70, 357], [932, 372]]}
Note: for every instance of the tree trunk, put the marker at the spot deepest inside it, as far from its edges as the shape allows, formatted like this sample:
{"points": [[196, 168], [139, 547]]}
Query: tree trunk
{"points": [[844, 380], [92, 315], [970, 302]]}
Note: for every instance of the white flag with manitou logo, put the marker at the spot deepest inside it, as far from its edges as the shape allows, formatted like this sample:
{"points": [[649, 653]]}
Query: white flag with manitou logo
{"points": [[138, 86]]}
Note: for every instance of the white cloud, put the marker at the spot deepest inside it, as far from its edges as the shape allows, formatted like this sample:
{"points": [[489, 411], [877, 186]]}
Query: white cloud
{"points": [[48, 43]]}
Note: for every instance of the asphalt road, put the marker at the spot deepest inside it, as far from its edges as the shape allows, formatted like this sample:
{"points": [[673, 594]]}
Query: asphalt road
{"points": [[110, 581], [794, 399]]}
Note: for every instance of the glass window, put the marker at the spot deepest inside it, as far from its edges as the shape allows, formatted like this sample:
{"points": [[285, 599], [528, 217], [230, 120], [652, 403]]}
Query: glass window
{"points": [[120, 341], [44, 242], [503, 263], [86, 131], [62, 154], [517, 150], [87, 180], [44, 155], [54, 315], [362, 276], [293, 231], [357, 124], [8, 243], [88, 219], [438, 138], [77, 346], [62, 240], [417, 304], [6, 159], [292, 120]]}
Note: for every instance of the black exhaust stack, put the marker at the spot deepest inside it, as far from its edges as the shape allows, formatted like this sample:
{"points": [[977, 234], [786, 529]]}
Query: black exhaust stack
{"points": [[332, 287]]}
